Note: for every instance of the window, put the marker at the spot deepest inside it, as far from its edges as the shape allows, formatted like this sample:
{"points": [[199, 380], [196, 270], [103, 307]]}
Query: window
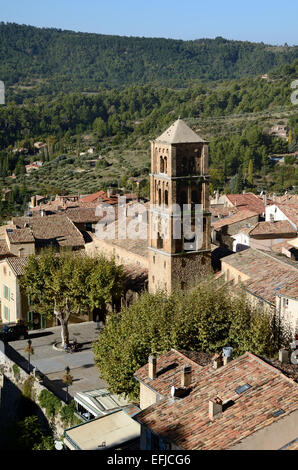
{"points": [[183, 197], [153, 259], [6, 292], [194, 197], [159, 242], [159, 196], [165, 165], [242, 389], [6, 312], [165, 264], [166, 197], [286, 302], [162, 168]]}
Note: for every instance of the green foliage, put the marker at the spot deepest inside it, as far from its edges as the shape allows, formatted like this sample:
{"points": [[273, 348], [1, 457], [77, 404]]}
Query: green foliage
{"points": [[73, 282], [27, 435], [54, 60], [27, 387], [46, 443], [205, 319], [50, 403], [67, 414], [16, 371]]}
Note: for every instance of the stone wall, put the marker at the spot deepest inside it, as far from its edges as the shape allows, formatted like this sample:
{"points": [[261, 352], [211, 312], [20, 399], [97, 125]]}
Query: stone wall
{"points": [[7, 368]]}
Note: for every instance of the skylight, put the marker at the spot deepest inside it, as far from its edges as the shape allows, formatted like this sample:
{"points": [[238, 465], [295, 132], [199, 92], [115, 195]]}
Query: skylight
{"points": [[242, 389], [278, 413]]}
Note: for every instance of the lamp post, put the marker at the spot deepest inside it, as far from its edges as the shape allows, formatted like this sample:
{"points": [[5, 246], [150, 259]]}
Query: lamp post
{"points": [[29, 349], [67, 379]]}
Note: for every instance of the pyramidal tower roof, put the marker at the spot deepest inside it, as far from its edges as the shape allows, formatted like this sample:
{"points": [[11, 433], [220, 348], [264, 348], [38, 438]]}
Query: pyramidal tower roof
{"points": [[179, 133]]}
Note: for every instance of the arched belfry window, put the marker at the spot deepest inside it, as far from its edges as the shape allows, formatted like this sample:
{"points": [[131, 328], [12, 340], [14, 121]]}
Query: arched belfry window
{"points": [[165, 165], [162, 165], [166, 197], [159, 241], [159, 196], [183, 197]]}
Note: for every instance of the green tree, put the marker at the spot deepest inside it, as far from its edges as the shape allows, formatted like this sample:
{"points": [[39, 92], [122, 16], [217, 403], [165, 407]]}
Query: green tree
{"points": [[71, 284], [250, 173], [204, 319]]}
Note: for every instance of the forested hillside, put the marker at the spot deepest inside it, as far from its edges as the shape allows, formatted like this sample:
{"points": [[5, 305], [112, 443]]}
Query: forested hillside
{"points": [[235, 115], [55, 60]]}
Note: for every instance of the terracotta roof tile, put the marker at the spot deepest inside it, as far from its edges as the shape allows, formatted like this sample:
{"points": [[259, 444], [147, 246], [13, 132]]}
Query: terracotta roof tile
{"points": [[247, 201], [186, 421], [281, 227], [23, 235], [233, 219], [56, 229]]}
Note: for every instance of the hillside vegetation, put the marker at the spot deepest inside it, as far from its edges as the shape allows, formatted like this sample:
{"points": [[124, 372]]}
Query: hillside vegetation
{"points": [[52, 60]]}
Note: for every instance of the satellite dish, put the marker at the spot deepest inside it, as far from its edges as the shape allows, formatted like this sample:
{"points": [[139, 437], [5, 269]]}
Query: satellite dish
{"points": [[58, 445]]}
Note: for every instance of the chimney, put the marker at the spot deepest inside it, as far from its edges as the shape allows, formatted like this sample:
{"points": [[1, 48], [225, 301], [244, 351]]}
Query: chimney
{"points": [[109, 192], [152, 367], [217, 361], [215, 408], [185, 376], [283, 356], [227, 355]]}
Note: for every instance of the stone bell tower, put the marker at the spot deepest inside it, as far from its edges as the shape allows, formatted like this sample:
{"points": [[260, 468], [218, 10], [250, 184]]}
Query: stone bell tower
{"points": [[179, 176]]}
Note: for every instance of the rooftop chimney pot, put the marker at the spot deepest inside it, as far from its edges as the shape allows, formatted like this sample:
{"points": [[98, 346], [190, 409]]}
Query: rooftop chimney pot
{"points": [[185, 376], [152, 367], [217, 361], [215, 408]]}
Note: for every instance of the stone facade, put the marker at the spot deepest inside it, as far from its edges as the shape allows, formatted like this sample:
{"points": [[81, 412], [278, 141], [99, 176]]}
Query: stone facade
{"points": [[179, 176]]}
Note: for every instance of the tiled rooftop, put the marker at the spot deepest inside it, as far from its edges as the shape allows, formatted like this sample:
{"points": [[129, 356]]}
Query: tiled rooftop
{"points": [[23, 235], [247, 201], [186, 421], [4, 251], [280, 227], [235, 218], [18, 265], [82, 214], [266, 272], [57, 229], [290, 211]]}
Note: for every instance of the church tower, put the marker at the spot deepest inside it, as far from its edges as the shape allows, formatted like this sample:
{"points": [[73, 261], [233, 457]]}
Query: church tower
{"points": [[179, 176]]}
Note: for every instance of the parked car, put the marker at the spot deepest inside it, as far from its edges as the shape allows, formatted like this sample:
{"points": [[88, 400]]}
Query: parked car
{"points": [[13, 331]]}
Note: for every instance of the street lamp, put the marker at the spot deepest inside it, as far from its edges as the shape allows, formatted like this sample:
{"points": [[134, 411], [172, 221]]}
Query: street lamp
{"points": [[67, 379], [29, 349]]}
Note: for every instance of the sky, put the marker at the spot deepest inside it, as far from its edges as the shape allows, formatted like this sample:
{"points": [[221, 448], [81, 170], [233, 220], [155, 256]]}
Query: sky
{"points": [[268, 21]]}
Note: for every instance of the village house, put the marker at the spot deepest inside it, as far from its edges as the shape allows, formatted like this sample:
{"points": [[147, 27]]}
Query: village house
{"points": [[33, 166], [247, 201], [194, 403], [224, 230], [283, 211], [263, 276], [14, 305], [264, 235]]}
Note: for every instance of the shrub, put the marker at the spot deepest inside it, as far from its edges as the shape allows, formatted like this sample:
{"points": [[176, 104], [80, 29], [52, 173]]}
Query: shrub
{"points": [[16, 371], [67, 414], [50, 403], [27, 387]]}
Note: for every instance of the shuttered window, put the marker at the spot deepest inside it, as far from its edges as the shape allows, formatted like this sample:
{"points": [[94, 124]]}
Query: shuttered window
{"points": [[6, 292]]}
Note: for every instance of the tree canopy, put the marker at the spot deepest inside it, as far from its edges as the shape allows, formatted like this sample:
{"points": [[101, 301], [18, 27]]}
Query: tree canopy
{"points": [[205, 319], [71, 284]]}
